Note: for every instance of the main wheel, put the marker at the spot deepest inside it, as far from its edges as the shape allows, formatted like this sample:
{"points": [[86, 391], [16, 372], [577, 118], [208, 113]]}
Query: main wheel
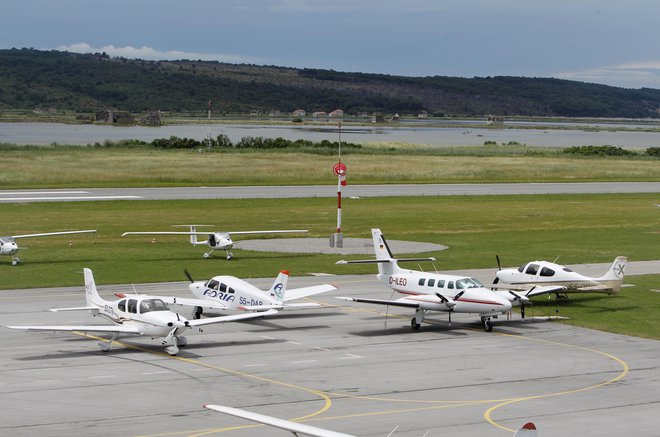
{"points": [[229, 256], [206, 254], [488, 326], [413, 323]]}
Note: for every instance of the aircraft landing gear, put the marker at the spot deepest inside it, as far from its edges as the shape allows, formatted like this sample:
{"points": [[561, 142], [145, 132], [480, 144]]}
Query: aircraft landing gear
{"points": [[172, 350], [107, 345], [522, 311], [229, 256], [488, 325], [14, 260], [182, 341], [417, 320], [206, 254]]}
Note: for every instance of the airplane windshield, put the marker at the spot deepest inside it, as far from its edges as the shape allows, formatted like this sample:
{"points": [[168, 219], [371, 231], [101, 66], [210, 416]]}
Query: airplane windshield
{"points": [[149, 305], [468, 283]]}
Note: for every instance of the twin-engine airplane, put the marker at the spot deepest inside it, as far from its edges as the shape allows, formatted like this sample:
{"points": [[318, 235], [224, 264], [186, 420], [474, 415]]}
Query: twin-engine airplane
{"points": [[232, 293], [137, 315], [431, 291], [297, 429], [543, 277], [9, 247], [215, 240]]}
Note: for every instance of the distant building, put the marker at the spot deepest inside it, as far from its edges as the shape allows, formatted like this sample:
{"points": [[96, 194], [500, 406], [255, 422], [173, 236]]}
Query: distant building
{"points": [[337, 113], [495, 120], [152, 119], [423, 114], [275, 113], [377, 118], [395, 117], [299, 113], [114, 117], [319, 114]]}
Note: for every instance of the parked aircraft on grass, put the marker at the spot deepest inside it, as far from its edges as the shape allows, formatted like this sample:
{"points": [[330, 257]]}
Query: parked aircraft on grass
{"points": [[542, 277], [296, 428], [431, 291], [137, 315], [9, 247], [215, 240]]}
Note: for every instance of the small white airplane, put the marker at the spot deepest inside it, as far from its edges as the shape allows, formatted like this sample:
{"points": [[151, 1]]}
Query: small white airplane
{"points": [[542, 277], [296, 428], [9, 247], [431, 291], [232, 293], [137, 315], [215, 240]]}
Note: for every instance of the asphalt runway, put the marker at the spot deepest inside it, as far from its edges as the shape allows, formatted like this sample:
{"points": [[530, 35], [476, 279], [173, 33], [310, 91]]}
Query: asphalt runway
{"points": [[168, 193], [346, 367]]}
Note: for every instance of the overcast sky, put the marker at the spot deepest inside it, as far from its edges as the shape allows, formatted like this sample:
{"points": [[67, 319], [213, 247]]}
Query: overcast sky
{"points": [[605, 41]]}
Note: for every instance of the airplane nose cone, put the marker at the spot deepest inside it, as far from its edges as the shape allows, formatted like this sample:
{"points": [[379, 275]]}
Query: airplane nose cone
{"points": [[505, 303]]}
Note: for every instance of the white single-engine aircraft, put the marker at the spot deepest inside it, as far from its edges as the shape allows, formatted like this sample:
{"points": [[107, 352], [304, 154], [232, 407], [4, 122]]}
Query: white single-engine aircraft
{"points": [[231, 293], [9, 247], [431, 291], [296, 428], [542, 277], [215, 240], [137, 315]]}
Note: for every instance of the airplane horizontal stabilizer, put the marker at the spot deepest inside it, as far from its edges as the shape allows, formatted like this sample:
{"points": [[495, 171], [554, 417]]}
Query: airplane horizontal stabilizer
{"points": [[299, 293], [398, 260], [232, 318]]}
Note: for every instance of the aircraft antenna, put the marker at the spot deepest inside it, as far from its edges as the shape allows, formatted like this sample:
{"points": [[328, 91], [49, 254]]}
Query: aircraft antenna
{"points": [[556, 258], [134, 289]]}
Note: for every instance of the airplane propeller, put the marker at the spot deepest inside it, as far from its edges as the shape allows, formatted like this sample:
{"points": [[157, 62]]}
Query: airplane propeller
{"points": [[188, 275], [499, 267]]}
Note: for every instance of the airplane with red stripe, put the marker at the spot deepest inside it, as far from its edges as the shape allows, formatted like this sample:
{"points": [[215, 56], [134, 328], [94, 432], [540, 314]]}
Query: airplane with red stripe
{"points": [[426, 291]]}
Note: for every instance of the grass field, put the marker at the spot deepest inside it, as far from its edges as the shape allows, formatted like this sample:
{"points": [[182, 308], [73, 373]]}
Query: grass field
{"points": [[577, 228], [70, 167]]}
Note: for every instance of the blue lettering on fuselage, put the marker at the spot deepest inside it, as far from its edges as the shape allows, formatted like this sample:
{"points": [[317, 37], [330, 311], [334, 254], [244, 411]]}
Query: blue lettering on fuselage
{"points": [[219, 295]]}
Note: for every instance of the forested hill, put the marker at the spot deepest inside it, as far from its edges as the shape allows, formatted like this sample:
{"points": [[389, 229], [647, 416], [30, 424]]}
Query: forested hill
{"points": [[52, 79]]}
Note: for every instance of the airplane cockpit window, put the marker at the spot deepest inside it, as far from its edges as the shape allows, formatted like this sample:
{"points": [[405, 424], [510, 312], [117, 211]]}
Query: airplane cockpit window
{"points": [[149, 305], [230, 290], [441, 283], [212, 284], [522, 268], [223, 288], [122, 305], [132, 306], [547, 272], [431, 282], [450, 284], [421, 281], [532, 269], [566, 269], [468, 283]]}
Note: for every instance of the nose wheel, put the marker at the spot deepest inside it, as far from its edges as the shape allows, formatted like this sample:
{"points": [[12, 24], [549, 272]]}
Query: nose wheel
{"points": [[14, 260], [488, 325], [229, 255]]}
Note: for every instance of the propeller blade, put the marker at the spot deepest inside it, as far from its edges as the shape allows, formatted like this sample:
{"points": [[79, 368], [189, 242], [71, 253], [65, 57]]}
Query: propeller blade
{"points": [[530, 290], [499, 266], [459, 295], [188, 275]]}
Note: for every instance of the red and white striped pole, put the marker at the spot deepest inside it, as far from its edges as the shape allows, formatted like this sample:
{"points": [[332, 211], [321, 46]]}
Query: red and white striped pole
{"points": [[340, 170]]}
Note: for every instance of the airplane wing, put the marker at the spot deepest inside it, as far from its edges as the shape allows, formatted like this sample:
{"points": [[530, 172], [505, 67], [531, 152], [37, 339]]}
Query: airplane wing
{"points": [[232, 318], [166, 233], [91, 308], [293, 427], [289, 306], [122, 329], [54, 233], [399, 302], [280, 231], [537, 291], [192, 302], [299, 293]]}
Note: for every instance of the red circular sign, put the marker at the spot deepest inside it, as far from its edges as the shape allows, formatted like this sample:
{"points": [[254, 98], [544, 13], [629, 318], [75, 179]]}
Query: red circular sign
{"points": [[339, 169]]}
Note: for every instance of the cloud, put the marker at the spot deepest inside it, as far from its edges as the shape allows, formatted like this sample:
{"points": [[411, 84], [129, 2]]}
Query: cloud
{"points": [[631, 75], [151, 54]]}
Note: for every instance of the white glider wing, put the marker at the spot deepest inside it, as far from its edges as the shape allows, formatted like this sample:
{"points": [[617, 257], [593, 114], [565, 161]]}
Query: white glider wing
{"points": [[232, 318], [403, 302], [293, 427], [54, 233], [299, 293], [121, 329]]}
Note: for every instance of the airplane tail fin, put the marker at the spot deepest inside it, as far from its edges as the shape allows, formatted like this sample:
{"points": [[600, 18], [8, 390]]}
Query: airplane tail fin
{"points": [[614, 276], [91, 294], [279, 286], [383, 253]]}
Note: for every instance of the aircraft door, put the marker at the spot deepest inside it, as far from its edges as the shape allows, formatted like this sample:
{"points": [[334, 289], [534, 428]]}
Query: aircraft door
{"points": [[212, 240]]}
